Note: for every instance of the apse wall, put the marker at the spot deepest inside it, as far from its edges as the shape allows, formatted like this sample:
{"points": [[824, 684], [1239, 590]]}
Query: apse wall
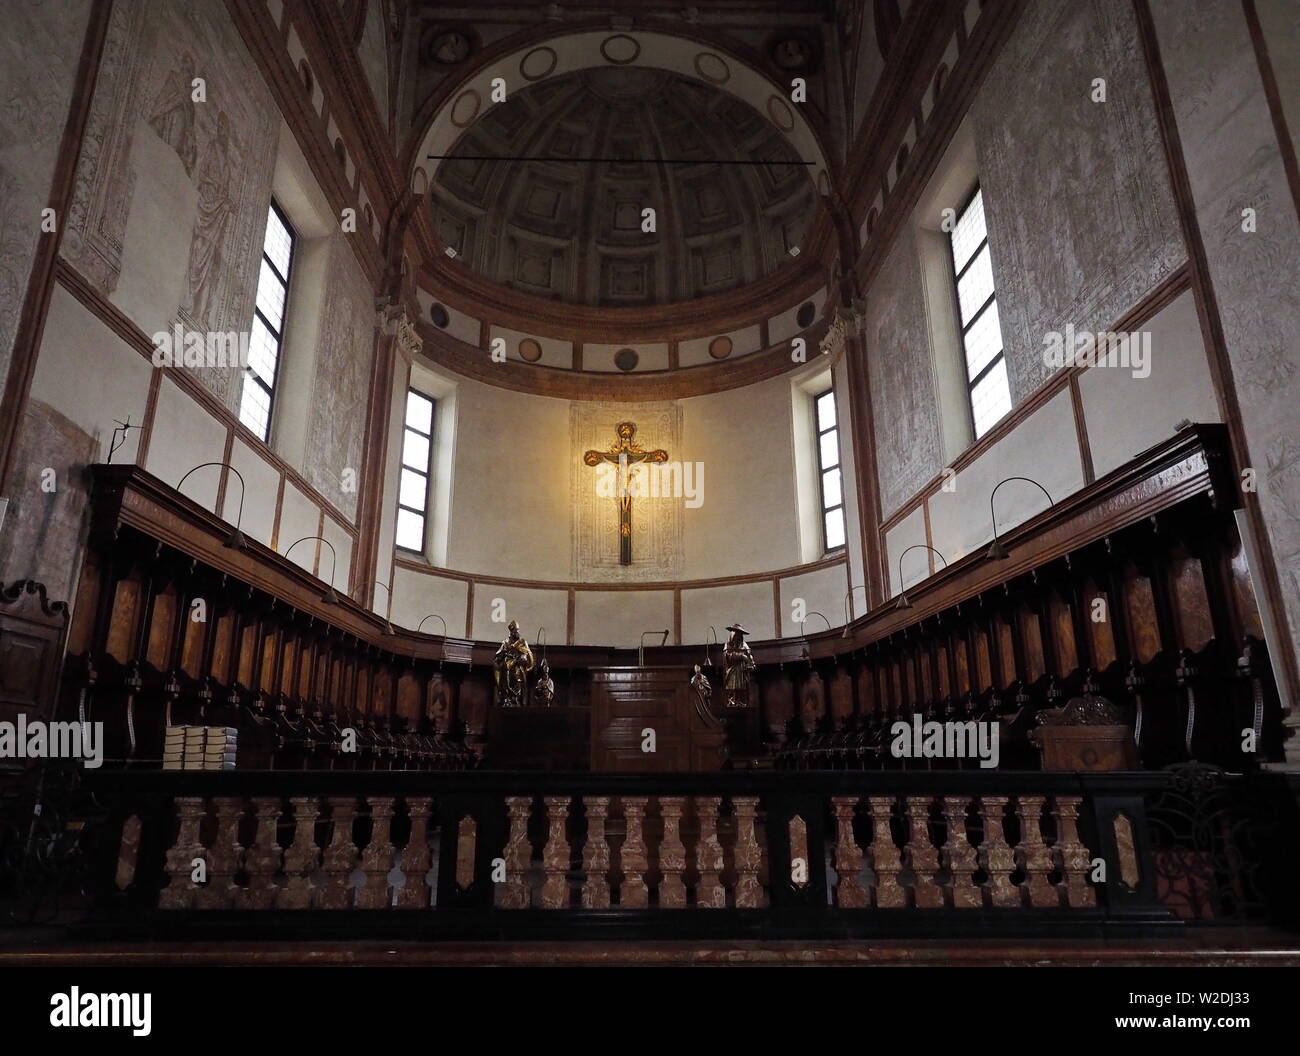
{"points": [[517, 545]]}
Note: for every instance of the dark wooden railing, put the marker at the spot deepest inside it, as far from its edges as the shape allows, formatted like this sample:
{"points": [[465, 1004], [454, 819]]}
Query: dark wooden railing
{"points": [[495, 854]]}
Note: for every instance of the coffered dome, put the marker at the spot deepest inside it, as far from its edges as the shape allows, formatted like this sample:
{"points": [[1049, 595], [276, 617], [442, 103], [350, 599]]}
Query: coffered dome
{"points": [[731, 202]]}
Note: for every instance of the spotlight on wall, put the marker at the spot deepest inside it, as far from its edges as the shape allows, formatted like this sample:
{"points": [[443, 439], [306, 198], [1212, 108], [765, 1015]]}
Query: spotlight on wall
{"points": [[860, 586], [998, 552], [235, 540], [904, 602], [329, 597]]}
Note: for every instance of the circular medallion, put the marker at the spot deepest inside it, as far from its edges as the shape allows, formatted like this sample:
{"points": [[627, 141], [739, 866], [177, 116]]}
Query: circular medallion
{"points": [[720, 347], [538, 63], [626, 359], [439, 315], [781, 114], [713, 68], [449, 48], [807, 313], [620, 49], [530, 351], [465, 108]]}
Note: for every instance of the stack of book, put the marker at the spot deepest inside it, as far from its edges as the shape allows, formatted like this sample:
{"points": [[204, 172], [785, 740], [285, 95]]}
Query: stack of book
{"points": [[199, 748]]}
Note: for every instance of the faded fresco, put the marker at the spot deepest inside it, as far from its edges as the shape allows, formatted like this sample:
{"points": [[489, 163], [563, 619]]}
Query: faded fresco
{"points": [[903, 397], [339, 403], [39, 52], [210, 161], [1081, 217]]}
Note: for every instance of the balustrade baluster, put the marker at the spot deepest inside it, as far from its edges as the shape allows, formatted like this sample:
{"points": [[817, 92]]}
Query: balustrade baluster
{"points": [[416, 857], [179, 860], [633, 893], [518, 852], [377, 858], [749, 856], [1033, 855], [886, 862], [995, 855], [555, 855], [709, 862], [263, 857], [595, 855], [959, 856], [672, 854], [920, 854], [301, 856], [340, 856], [1071, 854], [849, 892], [223, 856]]}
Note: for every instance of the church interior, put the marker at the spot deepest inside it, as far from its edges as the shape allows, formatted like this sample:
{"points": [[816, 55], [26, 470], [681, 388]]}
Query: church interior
{"points": [[658, 482]]}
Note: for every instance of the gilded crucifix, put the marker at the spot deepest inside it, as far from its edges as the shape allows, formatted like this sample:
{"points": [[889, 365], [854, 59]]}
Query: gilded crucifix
{"points": [[624, 452]]}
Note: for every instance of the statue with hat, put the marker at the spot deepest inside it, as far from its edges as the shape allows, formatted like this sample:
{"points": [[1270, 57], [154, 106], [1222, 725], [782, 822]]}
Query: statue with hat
{"points": [[739, 663], [510, 668]]}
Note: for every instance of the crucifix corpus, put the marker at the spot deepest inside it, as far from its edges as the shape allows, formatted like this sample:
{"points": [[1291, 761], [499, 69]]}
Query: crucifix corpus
{"points": [[624, 453]]}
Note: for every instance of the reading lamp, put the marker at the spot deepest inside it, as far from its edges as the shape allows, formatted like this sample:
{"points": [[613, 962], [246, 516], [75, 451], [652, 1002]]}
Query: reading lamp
{"points": [[860, 586], [388, 631], [235, 540], [998, 552], [903, 601], [329, 597]]}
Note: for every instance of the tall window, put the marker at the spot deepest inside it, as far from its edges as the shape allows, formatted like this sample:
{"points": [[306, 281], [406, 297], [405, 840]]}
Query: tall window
{"points": [[828, 464], [267, 338], [977, 307], [413, 489]]}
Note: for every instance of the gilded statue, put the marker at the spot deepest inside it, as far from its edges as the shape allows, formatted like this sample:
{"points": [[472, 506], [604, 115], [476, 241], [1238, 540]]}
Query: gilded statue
{"points": [[545, 687], [510, 668], [739, 663]]}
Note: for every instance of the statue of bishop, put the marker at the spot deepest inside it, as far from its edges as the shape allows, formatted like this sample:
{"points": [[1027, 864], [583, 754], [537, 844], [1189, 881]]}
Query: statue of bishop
{"points": [[510, 668], [739, 667]]}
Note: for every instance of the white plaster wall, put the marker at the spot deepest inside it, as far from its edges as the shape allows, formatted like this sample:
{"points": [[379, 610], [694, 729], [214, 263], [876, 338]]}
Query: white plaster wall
{"points": [[618, 617], [821, 591], [533, 608], [184, 436], [417, 594], [750, 603], [916, 566], [1043, 447], [299, 518], [1126, 415], [262, 482], [77, 345]]}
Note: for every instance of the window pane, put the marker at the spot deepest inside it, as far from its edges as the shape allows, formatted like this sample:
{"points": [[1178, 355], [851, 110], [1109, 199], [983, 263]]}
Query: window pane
{"points": [[419, 412], [983, 341], [412, 490], [825, 411], [262, 352], [254, 407], [830, 448], [990, 399], [832, 493], [270, 297], [835, 529], [278, 244], [975, 286], [410, 530], [415, 450], [969, 232]]}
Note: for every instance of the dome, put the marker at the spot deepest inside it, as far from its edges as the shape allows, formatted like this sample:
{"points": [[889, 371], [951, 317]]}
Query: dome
{"points": [[731, 200]]}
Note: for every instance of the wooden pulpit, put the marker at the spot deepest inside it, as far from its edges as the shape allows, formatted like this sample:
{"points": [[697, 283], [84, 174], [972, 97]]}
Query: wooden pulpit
{"points": [[626, 702]]}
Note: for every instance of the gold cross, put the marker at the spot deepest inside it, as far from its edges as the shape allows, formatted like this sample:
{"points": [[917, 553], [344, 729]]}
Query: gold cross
{"points": [[625, 451]]}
